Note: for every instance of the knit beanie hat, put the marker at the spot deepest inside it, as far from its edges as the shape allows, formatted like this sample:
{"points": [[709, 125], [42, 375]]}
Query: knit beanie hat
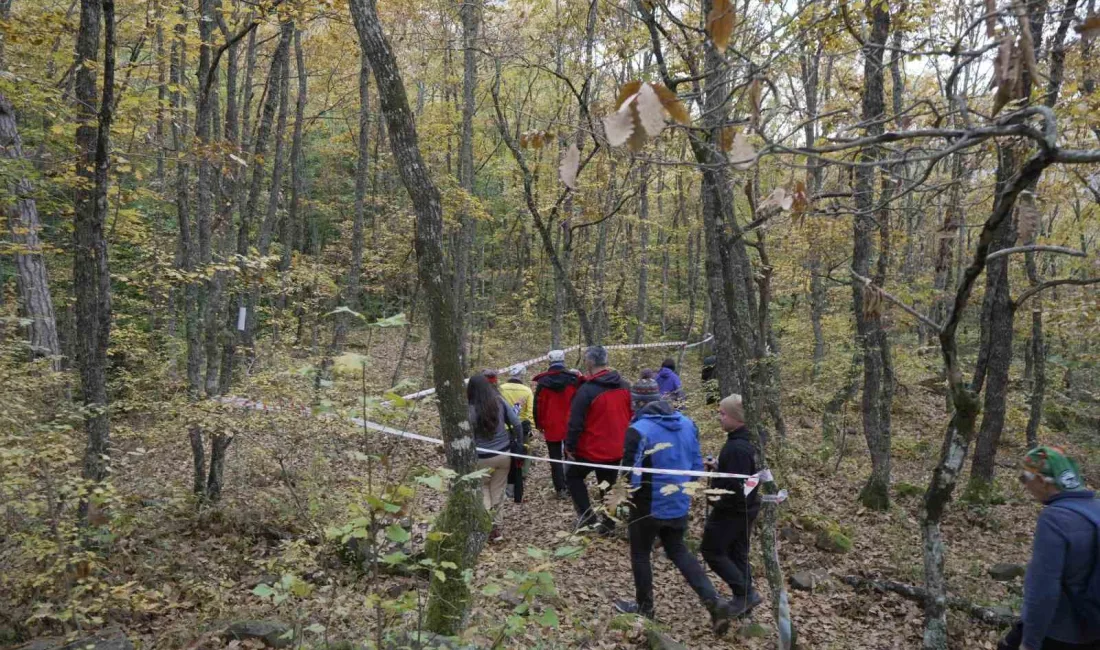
{"points": [[1054, 464], [556, 357], [645, 390], [516, 371]]}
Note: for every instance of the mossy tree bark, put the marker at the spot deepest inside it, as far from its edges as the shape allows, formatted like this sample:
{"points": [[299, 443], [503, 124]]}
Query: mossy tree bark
{"points": [[464, 522]]}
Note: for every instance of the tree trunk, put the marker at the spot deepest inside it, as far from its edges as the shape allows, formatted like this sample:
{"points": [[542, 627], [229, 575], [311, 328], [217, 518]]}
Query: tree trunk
{"points": [[243, 335], [463, 522], [469, 10], [351, 283], [290, 227], [32, 278], [965, 400], [871, 337], [643, 260], [810, 63], [91, 278], [998, 302], [271, 219], [186, 250]]}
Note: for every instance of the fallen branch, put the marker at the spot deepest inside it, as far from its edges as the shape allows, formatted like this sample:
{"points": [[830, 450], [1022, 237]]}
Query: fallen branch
{"points": [[1035, 248], [986, 615]]}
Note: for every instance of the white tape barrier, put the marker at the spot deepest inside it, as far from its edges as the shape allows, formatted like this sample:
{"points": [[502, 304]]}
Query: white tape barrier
{"points": [[628, 346], [751, 480]]}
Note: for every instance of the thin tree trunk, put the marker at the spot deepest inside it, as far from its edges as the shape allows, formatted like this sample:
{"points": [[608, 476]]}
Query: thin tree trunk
{"points": [[469, 11], [271, 219], [870, 335], [186, 251], [463, 522], [290, 227], [91, 277], [32, 278], [263, 134], [643, 259]]}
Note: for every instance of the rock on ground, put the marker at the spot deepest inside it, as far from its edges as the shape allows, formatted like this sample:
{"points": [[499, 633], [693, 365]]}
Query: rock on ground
{"points": [[274, 634]]}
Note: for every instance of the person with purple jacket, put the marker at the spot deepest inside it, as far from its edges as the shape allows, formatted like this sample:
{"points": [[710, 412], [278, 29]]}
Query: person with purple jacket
{"points": [[669, 382], [1061, 601]]}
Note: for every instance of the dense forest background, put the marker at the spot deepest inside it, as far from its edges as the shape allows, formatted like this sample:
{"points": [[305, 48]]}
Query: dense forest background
{"points": [[884, 213]]}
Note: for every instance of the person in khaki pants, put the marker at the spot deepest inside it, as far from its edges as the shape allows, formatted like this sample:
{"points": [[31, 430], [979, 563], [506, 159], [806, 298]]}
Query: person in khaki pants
{"points": [[494, 424]]}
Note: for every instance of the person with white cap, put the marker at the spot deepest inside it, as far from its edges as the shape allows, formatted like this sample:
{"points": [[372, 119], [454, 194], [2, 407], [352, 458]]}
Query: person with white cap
{"points": [[554, 391]]}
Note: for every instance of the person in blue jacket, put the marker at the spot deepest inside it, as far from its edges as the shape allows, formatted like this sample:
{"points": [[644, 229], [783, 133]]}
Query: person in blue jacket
{"points": [[1062, 585], [660, 437]]}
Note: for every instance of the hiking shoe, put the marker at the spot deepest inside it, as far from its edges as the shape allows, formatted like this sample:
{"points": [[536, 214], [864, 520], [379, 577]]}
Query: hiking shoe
{"points": [[495, 535], [742, 605], [631, 607], [721, 616], [510, 491]]}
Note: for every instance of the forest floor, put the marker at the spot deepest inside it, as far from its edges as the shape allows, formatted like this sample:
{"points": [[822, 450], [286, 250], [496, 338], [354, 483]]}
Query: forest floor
{"points": [[288, 478]]}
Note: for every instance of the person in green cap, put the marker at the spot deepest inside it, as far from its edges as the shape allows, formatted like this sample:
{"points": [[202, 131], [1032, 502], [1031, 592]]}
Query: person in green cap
{"points": [[1062, 586]]}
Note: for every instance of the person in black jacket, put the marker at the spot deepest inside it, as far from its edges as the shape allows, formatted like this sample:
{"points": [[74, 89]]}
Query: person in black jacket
{"points": [[726, 535]]}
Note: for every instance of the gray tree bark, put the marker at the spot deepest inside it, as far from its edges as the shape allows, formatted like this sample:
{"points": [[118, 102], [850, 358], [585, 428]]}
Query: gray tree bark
{"points": [[91, 277], [32, 278], [463, 520], [871, 337], [470, 13]]}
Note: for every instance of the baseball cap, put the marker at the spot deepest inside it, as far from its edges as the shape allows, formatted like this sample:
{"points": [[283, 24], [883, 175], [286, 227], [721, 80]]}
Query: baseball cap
{"points": [[1054, 464]]}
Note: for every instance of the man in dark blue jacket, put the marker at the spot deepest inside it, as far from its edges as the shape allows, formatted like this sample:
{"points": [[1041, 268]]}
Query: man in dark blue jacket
{"points": [[726, 536], [1061, 600], [659, 437]]}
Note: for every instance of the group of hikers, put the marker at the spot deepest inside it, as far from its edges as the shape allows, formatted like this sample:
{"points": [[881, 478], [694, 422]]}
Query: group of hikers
{"points": [[599, 423]]}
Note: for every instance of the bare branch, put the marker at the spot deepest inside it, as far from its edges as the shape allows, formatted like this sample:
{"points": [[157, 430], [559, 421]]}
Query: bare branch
{"points": [[1077, 282], [1035, 248], [897, 301]]}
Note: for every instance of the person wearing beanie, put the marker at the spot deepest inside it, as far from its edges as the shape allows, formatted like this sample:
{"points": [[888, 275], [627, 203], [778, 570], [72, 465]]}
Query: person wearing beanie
{"points": [[521, 399], [669, 381], [1061, 609], [554, 391], [659, 437], [598, 419], [725, 542], [491, 375]]}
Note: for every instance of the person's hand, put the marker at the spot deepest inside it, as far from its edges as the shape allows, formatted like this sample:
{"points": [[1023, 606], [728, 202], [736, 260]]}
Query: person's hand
{"points": [[570, 455], [710, 464]]}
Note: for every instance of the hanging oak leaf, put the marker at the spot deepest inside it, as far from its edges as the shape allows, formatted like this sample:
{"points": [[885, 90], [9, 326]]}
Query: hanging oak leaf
{"points": [[756, 89], [741, 153], [725, 137], [1089, 29], [720, 23], [651, 115], [619, 126], [872, 301], [779, 198], [570, 164], [626, 93], [800, 203], [676, 109], [1027, 219]]}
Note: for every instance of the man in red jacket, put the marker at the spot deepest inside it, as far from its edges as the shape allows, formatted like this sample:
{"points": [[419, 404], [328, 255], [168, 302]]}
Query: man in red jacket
{"points": [[554, 391], [598, 420]]}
